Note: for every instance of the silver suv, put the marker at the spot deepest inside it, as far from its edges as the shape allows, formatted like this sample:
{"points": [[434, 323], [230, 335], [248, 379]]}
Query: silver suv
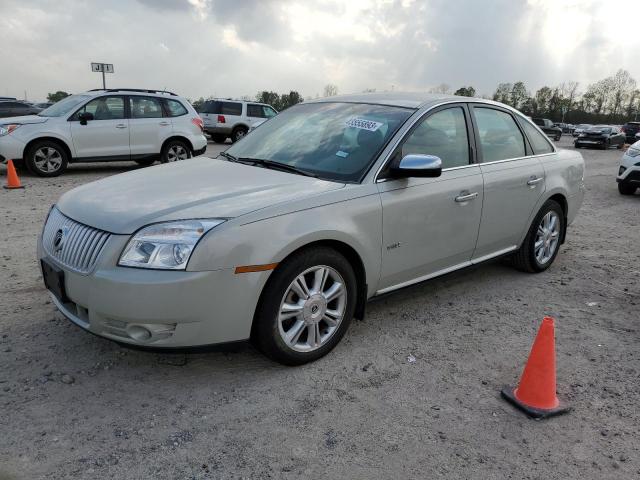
{"points": [[225, 118]]}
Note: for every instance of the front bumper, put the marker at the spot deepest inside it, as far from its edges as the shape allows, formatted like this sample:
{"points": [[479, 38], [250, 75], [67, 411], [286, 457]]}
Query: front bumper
{"points": [[11, 148], [153, 308], [590, 142]]}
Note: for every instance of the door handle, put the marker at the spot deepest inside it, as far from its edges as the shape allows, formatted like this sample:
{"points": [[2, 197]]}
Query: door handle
{"points": [[164, 124], [121, 125], [534, 180], [466, 196]]}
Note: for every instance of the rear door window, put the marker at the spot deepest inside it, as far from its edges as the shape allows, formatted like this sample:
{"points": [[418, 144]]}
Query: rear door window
{"points": [[500, 137], [255, 111], [145, 107]]}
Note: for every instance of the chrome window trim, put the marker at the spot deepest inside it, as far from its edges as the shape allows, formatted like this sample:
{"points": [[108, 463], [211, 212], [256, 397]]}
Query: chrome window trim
{"points": [[449, 102]]}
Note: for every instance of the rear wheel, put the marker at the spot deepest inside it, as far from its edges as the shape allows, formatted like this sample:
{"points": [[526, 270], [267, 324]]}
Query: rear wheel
{"points": [[174, 151], [541, 245], [238, 133], [219, 138], [626, 189], [46, 159], [306, 306]]}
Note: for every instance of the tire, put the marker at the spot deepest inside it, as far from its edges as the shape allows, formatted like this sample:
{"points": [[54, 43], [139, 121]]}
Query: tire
{"points": [[557, 137], [175, 150], [46, 159], [145, 162], [526, 258], [238, 133], [219, 138], [626, 189], [269, 329], [620, 145]]}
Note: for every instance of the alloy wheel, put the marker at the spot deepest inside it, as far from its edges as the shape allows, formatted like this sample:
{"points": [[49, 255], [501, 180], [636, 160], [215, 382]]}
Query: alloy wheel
{"points": [[312, 308], [547, 237], [176, 153], [47, 159]]}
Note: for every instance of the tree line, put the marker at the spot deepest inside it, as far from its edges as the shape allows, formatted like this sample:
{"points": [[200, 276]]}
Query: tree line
{"points": [[614, 99]]}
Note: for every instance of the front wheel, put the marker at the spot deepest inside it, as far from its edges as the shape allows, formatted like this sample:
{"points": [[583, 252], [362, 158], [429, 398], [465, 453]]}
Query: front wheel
{"points": [[626, 189], [306, 306], [174, 151], [541, 245], [46, 159]]}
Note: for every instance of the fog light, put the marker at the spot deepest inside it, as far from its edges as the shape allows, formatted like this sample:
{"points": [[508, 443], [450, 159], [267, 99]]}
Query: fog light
{"points": [[138, 333]]}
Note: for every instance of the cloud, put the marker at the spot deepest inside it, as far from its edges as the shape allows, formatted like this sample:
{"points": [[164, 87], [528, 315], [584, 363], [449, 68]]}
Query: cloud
{"points": [[218, 47]]}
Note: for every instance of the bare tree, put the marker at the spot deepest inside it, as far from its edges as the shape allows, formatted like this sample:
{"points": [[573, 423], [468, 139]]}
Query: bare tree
{"points": [[330, 90], [443, 88]]}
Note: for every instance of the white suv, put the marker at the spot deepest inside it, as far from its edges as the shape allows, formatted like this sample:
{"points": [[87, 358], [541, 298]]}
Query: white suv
{"points": [[629, 170], [104, 125], [233, 118]]}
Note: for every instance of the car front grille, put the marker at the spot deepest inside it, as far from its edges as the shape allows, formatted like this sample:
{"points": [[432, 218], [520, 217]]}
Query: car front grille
{"points": [[72, 244]]}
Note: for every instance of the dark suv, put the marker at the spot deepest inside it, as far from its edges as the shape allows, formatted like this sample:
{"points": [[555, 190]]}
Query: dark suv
{"points": [[15, 108], [548, 127], [630, 130]]}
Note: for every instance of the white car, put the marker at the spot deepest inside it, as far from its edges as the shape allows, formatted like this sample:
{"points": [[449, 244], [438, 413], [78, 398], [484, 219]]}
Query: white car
{"points": [[104, 125], [224, 118], [629, 170]]}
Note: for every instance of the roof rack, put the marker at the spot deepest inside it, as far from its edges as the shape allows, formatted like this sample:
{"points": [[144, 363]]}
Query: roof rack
{"points": [[142, 90]]}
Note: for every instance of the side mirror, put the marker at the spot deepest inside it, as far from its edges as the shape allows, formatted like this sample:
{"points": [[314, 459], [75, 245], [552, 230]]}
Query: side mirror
{"points": [[417, 166], [85, 117]]}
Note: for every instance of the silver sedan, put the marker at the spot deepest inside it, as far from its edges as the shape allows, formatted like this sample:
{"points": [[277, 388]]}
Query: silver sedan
{"points": [[285, 236]]}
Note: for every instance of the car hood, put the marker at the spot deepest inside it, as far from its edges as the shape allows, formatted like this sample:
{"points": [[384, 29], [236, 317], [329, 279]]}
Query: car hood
{"points": [[23, 119], [198, 188]]}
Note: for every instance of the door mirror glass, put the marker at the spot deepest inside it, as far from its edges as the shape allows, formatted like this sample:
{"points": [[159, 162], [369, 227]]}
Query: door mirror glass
{"points": [[84, 117], [414, 165]]}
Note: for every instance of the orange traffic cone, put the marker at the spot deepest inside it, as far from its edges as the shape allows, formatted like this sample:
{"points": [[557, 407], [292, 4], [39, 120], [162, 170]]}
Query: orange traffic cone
{"points": [[536, 394], [12, 177]]}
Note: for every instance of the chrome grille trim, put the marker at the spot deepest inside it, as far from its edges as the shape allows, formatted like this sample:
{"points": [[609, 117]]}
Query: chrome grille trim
{"points": [[81, 246]]}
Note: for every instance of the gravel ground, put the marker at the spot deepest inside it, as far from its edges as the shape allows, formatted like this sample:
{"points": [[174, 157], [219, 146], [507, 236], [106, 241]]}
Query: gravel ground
{"points": [[77, 406]]}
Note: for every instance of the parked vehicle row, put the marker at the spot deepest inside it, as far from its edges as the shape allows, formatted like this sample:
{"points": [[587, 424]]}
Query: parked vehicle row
{"points": [[286, 235], [104, 125]]}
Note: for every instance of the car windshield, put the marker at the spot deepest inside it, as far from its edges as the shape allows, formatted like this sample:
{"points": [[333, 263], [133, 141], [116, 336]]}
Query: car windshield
{"points": [[64, 106], [334, 141]]}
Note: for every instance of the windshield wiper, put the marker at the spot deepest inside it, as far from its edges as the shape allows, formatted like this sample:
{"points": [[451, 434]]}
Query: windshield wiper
{"points": [[228, 156], [276, 166]]}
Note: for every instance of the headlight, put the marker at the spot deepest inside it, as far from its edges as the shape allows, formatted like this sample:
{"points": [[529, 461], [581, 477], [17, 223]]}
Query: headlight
{"points": [[582, 135], [7, 129], [165, 246], [633, 152]]}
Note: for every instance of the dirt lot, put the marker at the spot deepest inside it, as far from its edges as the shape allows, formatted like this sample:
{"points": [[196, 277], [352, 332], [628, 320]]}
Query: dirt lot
{"points": [[77, 406]]}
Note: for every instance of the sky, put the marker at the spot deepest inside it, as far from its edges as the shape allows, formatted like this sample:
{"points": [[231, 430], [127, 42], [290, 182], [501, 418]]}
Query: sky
{"points": [[232, 48]]}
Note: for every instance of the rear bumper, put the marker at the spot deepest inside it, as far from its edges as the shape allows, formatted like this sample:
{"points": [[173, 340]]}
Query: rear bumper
{"points": [[630, 176], [200, 151]]}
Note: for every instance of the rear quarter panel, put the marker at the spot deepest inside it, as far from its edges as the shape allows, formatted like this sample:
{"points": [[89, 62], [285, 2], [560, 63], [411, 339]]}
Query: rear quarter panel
{"points": [[564, 175]]}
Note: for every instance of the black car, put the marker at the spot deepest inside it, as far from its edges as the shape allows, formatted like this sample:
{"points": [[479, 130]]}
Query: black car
{"points": [[14, 108], [548, 127], [630, 130], [601, 136]]}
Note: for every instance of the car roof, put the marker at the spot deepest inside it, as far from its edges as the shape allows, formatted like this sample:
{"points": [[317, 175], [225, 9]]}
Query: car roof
{"points": [[398, 99], [237, 101], [130, 91]]}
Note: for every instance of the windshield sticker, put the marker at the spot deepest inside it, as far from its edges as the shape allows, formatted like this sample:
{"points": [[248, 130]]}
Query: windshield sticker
{"points": [[364, 124], [342, 154]]}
